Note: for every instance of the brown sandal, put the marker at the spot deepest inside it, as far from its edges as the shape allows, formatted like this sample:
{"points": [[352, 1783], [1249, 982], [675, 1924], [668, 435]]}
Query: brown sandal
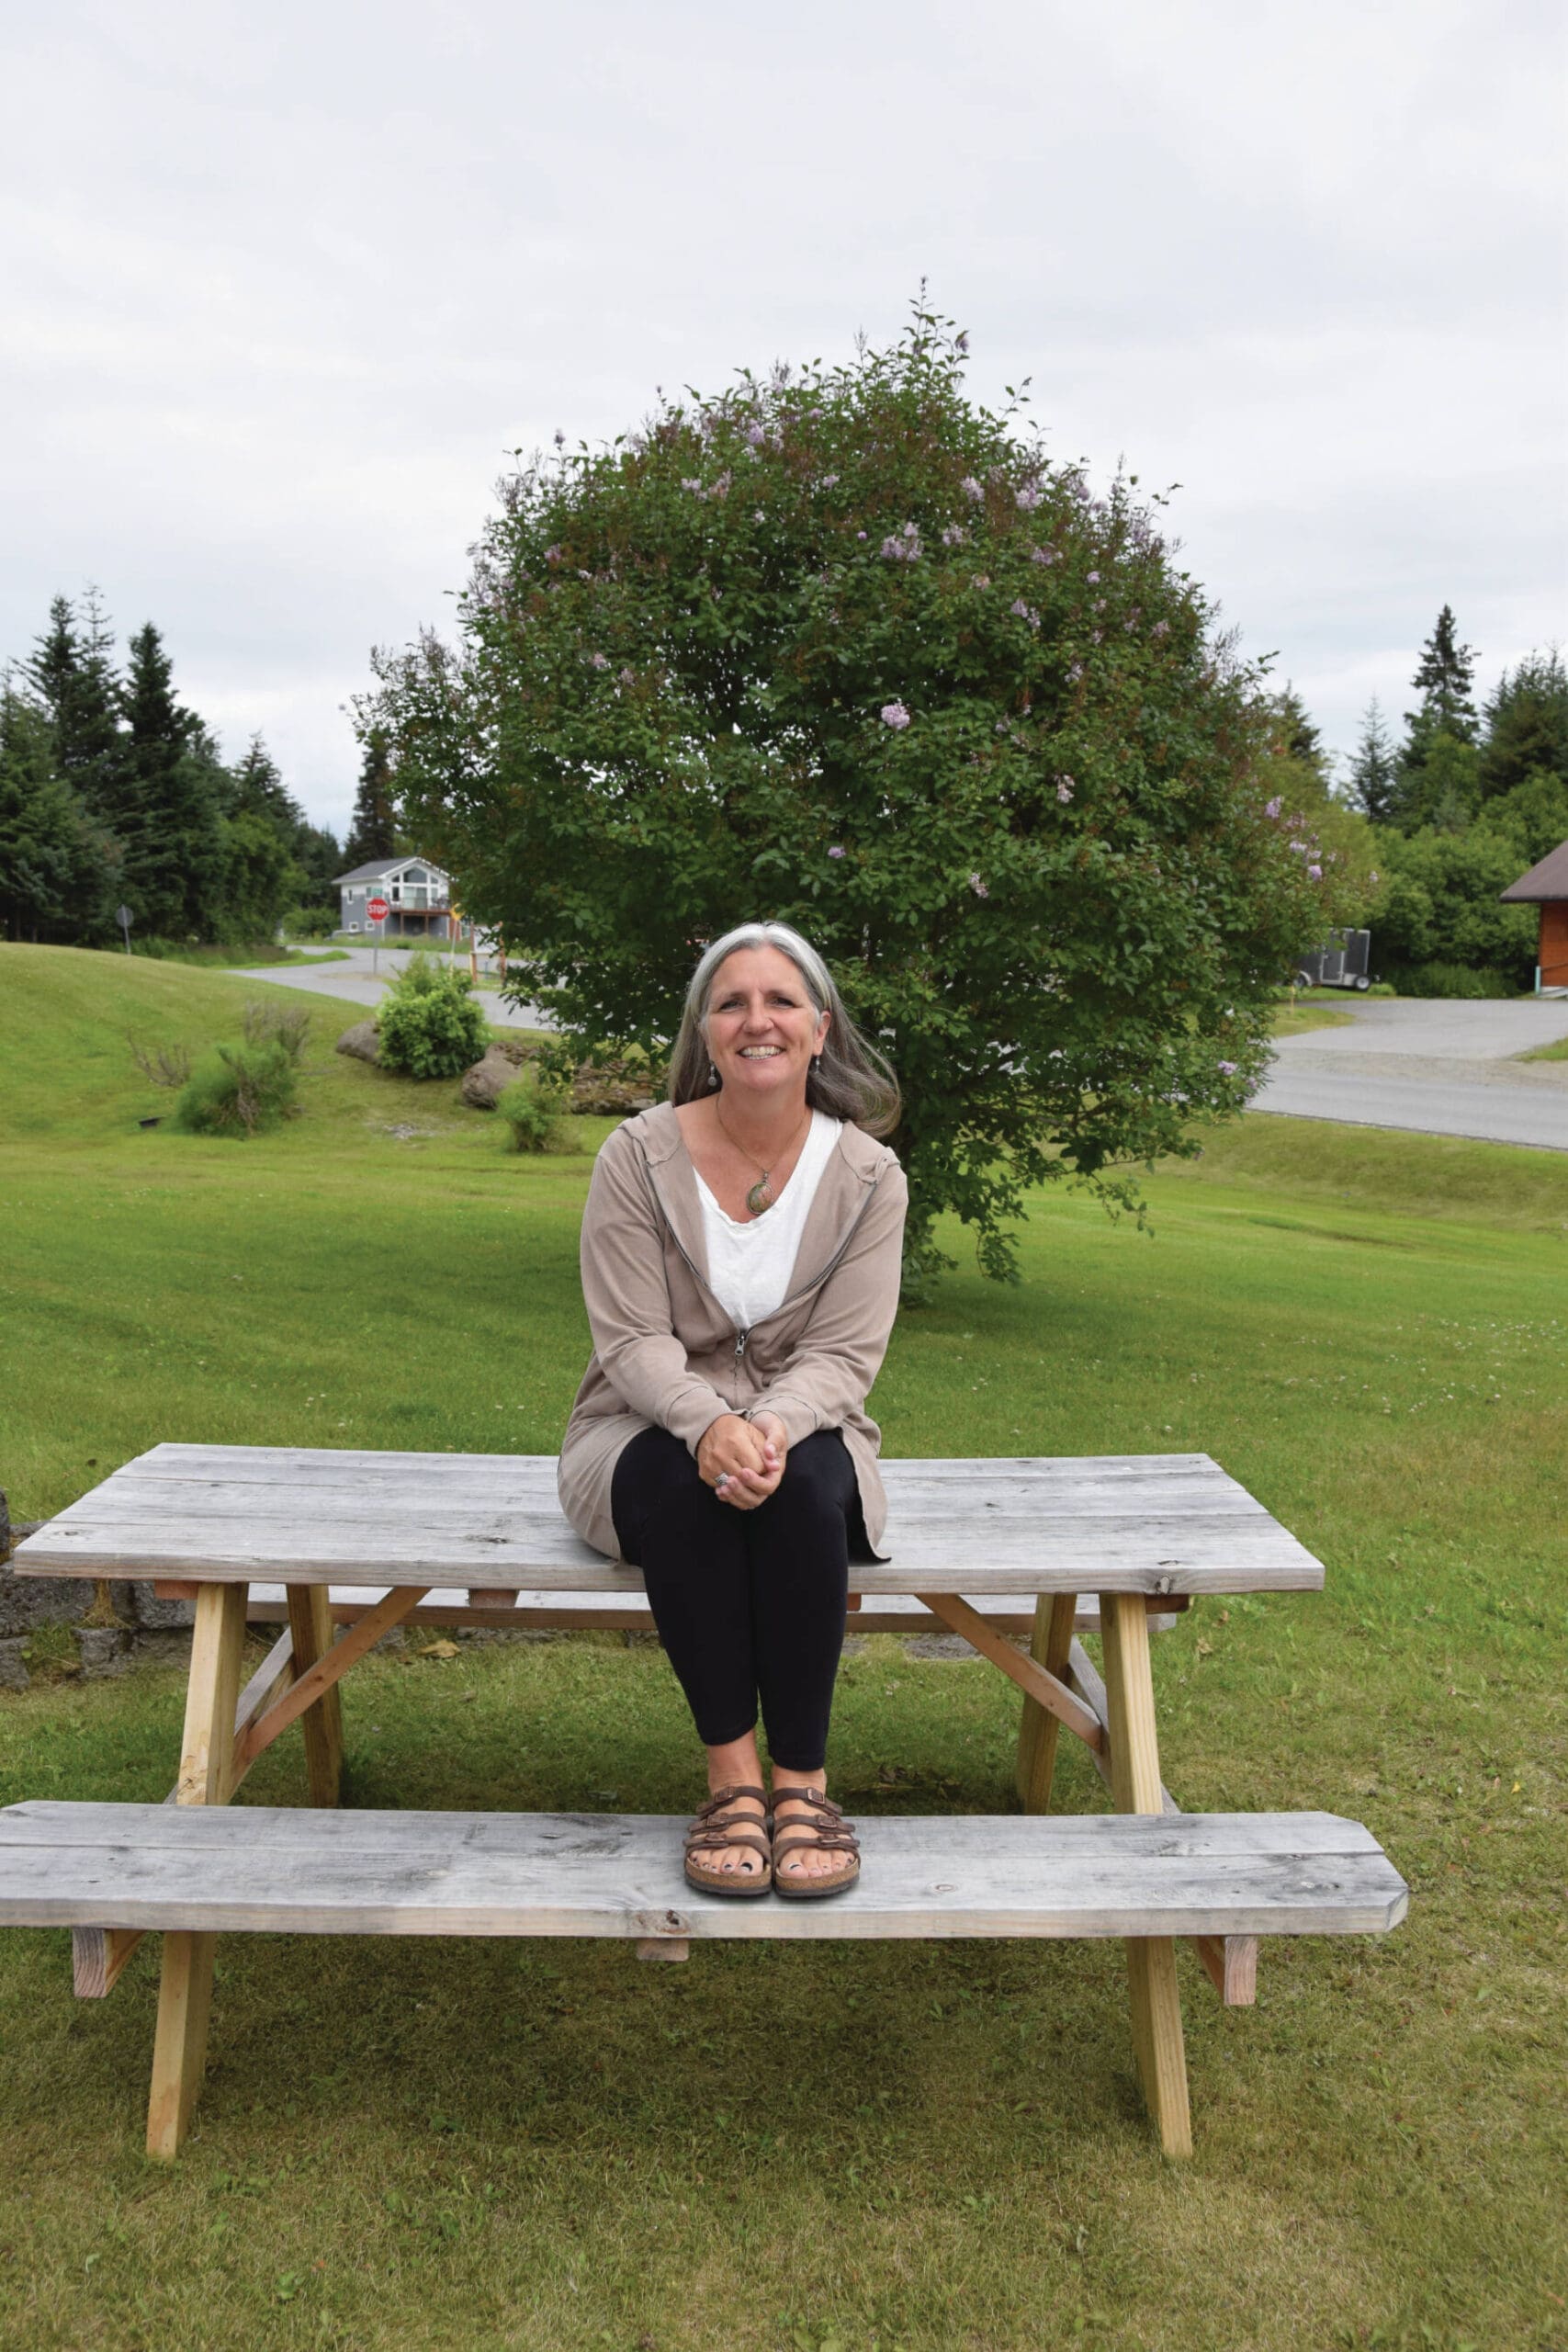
{"points": [[714, 1829], [824, 1832]]}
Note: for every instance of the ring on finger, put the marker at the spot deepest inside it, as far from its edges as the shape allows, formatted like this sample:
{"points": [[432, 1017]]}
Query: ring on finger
{"points": [[721, 1482]]}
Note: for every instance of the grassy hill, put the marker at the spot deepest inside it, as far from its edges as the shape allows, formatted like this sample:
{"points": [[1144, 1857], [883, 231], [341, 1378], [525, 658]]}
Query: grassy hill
{"points": [[1367, 1329]]}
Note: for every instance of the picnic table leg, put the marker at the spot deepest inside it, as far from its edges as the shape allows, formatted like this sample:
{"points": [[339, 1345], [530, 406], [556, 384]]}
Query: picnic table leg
{"points": [[205, 1777], [1135, 1788], [1038, 1729], [311, 1624]]}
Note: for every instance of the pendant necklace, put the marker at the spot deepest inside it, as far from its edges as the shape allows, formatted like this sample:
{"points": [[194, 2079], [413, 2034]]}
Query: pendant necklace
{"points": [[759, 1197]]}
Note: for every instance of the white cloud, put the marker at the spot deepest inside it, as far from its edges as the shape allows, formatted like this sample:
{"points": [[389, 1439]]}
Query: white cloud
{"points": [[284, 288]]}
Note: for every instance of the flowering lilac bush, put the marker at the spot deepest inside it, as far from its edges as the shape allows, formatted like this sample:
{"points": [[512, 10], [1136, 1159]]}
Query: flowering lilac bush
{"points": [[917, 690]]}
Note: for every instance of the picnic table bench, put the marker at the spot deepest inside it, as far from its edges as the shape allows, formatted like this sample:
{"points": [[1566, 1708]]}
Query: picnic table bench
{"points": [[985, 1546]]}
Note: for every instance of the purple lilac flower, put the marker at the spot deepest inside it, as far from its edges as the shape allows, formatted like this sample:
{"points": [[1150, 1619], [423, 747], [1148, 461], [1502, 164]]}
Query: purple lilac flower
{"points": [[626, 677], [828, 480], [759, 517], [1075, 672], [971, 488], [756, 435], [981, 580], [600, 660], [1160, 628], [860, 535], [1315, 873], [1227, 1069], [1020, 607], [954, 536], [552, 555], [1093, 579], [692, 483], [837, 849], [894, 715], [978, 886], [892, 549], [1043, 555], [1027, 499], [1273, 807], [1064, 789], [911, 531]]}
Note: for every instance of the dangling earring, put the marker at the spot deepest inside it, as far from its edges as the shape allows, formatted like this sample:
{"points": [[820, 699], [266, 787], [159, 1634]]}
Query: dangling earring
{"points": [[712, 1077]]}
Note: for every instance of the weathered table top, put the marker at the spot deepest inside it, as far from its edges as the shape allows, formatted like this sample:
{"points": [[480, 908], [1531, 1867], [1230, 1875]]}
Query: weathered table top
{"points": [[1151, 1523]]}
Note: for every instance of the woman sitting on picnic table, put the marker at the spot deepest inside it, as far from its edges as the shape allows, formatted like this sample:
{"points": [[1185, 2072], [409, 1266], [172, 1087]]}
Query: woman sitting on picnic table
{"points": [[740, 1261]]}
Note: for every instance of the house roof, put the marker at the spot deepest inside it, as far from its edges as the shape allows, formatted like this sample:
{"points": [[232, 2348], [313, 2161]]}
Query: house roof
{"points": [[1547, 880], [381, 869]]}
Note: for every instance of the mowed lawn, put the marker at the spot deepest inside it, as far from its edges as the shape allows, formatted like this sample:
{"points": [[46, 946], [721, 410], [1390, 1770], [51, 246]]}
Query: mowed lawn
{"points": [[432, 2145]]}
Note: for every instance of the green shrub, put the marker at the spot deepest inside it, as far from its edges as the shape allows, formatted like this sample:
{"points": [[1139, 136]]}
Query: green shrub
{"points": [[430, 1023], [1452, 981], [287, 1026], [532, 1115], [237, 1091], [310, 922]]}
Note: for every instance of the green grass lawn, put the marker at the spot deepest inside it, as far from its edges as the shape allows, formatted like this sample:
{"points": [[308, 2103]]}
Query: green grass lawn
{"points": [[418, 2144]]}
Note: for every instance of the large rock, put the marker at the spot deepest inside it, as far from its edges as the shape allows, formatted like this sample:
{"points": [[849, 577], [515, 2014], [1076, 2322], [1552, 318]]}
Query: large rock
{"points": [[359, 1041], [488, 1077]]}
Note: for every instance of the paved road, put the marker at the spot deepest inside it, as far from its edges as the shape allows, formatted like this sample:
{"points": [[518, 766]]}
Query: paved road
{"points": [[1441, 1068], [1445, 1070], [357, 983]]}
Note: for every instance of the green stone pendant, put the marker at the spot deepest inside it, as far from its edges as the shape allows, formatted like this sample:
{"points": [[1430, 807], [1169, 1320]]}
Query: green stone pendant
{"points": [[759, 1198]]}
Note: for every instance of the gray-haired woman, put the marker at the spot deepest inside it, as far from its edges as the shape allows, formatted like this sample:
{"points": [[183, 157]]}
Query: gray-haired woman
{"points": [[741, 1260]]}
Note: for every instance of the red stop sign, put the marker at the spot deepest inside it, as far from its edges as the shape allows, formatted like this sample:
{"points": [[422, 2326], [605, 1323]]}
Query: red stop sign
{"points": [[378, 911]]}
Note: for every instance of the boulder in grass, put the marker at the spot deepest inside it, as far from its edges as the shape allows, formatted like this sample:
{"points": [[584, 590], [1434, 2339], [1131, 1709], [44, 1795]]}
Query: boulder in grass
{"points": [[359, 1041], [483, 1083]]}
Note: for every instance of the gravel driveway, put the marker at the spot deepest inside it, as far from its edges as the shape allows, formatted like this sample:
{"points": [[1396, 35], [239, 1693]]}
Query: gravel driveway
{"points": [[1441, 1068]]}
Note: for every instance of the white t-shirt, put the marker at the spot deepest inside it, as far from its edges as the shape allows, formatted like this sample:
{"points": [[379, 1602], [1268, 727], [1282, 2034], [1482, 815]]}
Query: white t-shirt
{"points": [[749, 1264]]}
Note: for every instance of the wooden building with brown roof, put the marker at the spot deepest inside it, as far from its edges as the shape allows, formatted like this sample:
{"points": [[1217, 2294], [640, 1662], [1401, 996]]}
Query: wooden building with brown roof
{"points": [[1546, 885]]}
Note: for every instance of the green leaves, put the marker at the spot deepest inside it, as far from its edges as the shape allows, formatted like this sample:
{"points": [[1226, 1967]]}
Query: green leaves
{"points": [[845, 649]]}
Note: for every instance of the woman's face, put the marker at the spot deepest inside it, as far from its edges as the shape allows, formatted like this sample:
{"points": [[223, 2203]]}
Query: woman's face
{"points": [[762, 1028]]}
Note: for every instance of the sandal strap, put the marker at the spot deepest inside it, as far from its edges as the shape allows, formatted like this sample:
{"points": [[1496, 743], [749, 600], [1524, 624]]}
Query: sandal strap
{"points": [[714, 1841], [816, 1798], [809, 1841], [722, 1797]]}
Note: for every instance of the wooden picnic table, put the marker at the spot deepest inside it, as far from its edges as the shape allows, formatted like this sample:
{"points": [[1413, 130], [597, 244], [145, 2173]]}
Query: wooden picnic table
{"points": [[464, 1535]]}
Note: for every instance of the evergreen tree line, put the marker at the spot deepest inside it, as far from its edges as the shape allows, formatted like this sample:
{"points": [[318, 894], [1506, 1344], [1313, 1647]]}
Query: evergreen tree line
{"points": [[113, 792], [1433, 823]]}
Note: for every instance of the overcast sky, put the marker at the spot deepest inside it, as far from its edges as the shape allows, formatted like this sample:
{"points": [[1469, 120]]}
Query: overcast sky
{"points": [[283, 285]]}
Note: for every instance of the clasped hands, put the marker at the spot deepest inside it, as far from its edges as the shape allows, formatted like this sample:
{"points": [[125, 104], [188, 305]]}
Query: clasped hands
{"points": [[749, 1457]]}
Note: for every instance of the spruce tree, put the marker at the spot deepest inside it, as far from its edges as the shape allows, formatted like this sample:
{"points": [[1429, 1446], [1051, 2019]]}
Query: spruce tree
{"points": [[1299, 737], [1445, 678], [179, 854], [373, 830], [71, 673], [60, 873], [1526, 726], [1374, 771]]}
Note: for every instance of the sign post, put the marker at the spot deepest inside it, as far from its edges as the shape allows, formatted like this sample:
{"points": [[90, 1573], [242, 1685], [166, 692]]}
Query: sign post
{"points": [[122, 916], [377, 911]]}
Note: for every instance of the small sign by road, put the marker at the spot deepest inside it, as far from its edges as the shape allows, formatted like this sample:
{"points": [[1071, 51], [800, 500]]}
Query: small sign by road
{"points": [[377, 910]]}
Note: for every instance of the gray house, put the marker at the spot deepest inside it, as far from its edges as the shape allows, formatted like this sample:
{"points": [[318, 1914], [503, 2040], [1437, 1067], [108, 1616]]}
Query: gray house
{"points": [[418, 896]]}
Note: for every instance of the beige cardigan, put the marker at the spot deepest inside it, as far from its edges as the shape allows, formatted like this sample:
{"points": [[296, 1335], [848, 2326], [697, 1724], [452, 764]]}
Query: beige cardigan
{"points": [[666, 1354]]}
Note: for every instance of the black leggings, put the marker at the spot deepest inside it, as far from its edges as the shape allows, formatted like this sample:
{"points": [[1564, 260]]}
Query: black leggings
{"points": [[748, 1603]]}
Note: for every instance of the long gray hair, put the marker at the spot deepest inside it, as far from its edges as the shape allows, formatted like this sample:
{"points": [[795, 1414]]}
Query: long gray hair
{"points": [[849, 1079]]}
